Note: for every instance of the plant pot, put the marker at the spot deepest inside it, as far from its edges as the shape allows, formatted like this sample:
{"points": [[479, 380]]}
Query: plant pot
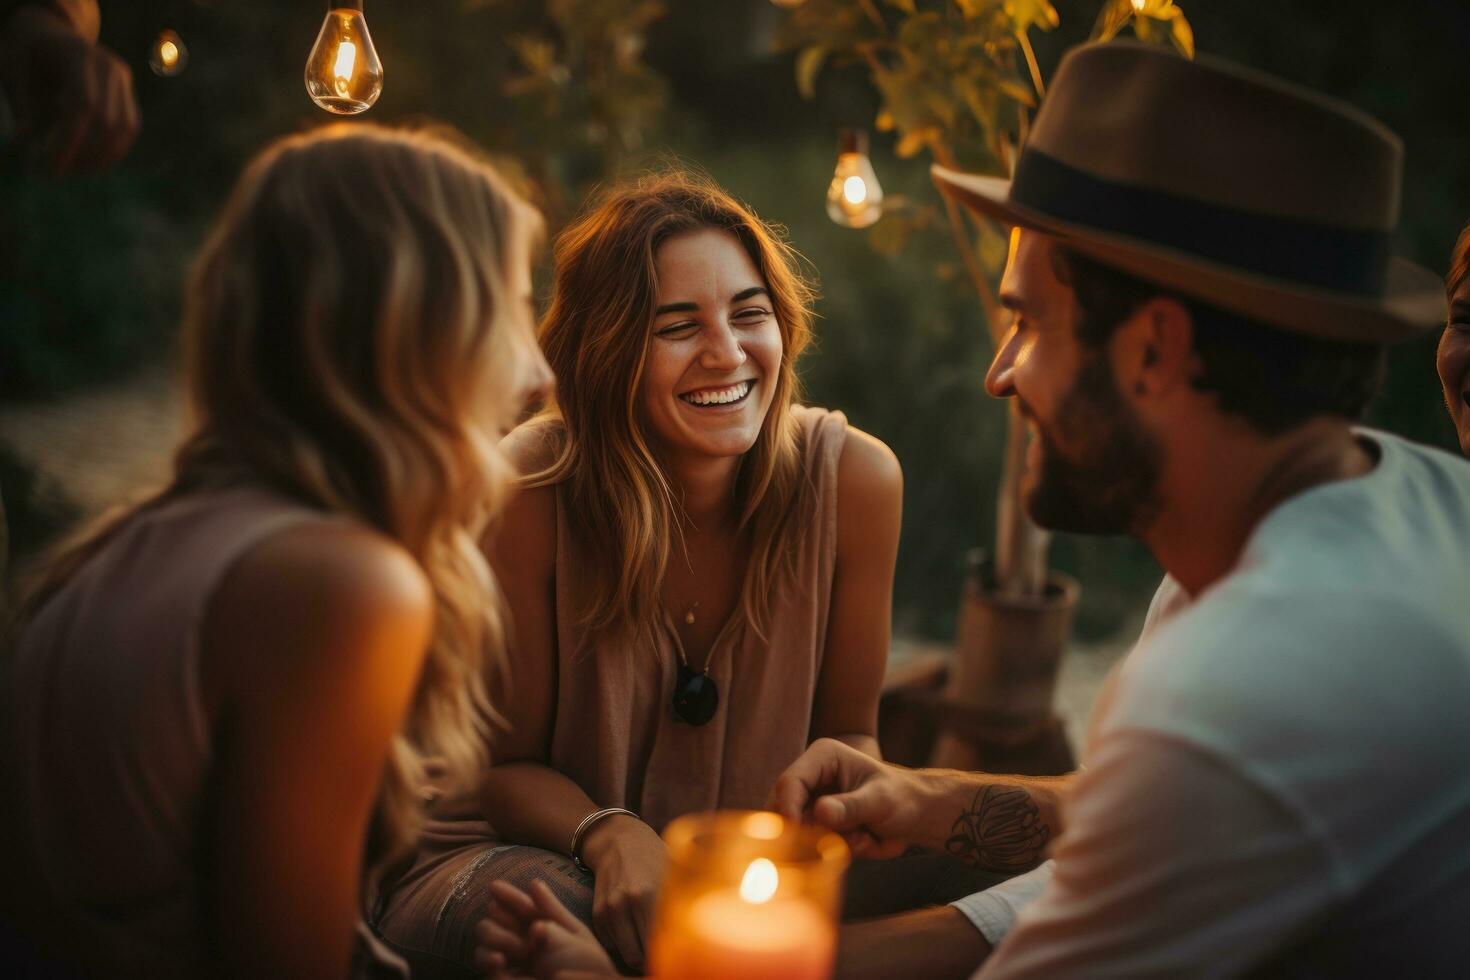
{"points": [[996, 713]]}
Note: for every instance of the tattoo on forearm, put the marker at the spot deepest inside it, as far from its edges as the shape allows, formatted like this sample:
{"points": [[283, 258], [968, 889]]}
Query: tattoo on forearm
{"points": [[1002, 830]]}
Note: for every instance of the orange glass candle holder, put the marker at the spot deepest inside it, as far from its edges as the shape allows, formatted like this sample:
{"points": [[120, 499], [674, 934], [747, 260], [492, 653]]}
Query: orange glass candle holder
{"points": [[748, 894]]}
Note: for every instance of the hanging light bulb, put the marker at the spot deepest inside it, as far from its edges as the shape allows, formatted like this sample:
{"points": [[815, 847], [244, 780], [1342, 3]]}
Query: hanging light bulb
{"points": [[854, 198], [343, 73], [168, 56]]}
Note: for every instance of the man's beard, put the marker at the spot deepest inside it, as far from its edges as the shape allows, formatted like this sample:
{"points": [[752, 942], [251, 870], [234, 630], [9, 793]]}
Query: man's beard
{"points": [[1109, 484]]}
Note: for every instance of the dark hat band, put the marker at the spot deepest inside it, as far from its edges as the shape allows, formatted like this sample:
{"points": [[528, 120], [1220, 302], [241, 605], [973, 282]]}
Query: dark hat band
{"points": [[1337, 259]]}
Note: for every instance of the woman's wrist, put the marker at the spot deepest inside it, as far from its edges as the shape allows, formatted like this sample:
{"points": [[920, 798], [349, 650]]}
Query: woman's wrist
{"points": [[604, 836]]}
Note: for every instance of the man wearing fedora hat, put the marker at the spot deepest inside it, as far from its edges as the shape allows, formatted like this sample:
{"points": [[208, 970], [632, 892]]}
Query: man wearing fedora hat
{"points": [[1277, 777]]}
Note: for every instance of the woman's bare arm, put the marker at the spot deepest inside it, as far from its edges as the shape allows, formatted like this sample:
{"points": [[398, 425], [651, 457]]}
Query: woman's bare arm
{"points": [[524, 798], [314, 641], [869, 516]]}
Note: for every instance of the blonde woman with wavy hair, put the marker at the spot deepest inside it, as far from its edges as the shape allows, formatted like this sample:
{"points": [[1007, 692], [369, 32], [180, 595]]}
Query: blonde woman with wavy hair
{"points": [[699, 569], [225, 697]]}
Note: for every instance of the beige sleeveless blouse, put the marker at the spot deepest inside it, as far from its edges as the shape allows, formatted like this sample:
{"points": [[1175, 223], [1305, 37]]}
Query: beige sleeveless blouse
{"points": [[615, 733], [113, 745]]}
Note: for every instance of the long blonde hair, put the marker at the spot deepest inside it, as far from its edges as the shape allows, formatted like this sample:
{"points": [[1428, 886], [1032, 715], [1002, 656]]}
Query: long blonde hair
{"points": [[341, 347], [624, 512]]}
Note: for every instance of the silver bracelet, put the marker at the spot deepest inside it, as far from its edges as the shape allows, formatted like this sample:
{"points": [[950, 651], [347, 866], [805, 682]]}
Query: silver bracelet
{"points": [[576, 849]]}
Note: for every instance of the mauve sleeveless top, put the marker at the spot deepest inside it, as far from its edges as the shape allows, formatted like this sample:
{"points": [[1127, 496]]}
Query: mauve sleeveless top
{"points": [[615, 733], [114, 744]]}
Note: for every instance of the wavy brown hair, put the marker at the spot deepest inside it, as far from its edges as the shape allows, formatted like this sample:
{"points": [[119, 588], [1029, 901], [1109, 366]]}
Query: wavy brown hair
{"points": [[623, 510], [344, 344]]}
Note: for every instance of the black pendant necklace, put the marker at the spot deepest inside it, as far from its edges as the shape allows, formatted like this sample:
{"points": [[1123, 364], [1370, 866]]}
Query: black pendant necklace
{"points": [[695, 696]]}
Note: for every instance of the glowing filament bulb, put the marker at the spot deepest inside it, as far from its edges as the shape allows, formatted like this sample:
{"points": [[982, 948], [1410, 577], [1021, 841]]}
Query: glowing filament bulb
{"points": [[760, 881], [343, 73], [854, 198], [168, 56], [346, 58], [1138, 5]]}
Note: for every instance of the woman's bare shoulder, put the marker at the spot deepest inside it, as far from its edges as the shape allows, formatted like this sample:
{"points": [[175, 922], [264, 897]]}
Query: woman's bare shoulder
{"points": [[535, 444], [868, 465], [869, 490], [317, 596], [523, 541]]}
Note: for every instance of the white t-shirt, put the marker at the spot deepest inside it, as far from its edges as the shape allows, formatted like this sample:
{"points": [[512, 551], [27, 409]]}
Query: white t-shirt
{"points": [[1278, 774]]}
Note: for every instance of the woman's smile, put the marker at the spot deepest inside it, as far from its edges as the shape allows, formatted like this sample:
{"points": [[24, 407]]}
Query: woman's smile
{"points": [[728, 398]]}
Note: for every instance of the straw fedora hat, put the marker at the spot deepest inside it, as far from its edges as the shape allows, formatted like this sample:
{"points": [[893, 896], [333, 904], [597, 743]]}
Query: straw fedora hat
{"points": [[1223, 184]]}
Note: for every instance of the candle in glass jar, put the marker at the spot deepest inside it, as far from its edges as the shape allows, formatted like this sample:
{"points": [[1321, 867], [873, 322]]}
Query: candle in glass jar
{"points": [[735, 934], [724, 937]]}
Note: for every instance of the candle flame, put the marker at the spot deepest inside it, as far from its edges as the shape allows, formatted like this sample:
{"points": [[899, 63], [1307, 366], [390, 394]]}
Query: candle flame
{"points": [[1138, 5], [760, 881], [854, 190], [168, 53], [346, 60]]}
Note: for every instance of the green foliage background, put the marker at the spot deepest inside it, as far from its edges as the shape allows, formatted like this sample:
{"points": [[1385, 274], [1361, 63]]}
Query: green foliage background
{"points": [[568, 91]]}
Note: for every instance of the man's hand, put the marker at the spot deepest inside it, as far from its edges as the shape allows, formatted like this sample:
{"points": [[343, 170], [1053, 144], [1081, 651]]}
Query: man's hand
{"points": [[533, 935], [628, 861], [71, 97], [876, 806]]}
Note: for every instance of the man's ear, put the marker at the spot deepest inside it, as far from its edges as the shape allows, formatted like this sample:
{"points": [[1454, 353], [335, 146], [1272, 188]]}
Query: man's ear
{"points": [[1153, 350]]}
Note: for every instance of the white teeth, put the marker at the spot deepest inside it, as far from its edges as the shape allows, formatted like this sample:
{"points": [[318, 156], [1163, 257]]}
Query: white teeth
{"points": [[719, 396]]}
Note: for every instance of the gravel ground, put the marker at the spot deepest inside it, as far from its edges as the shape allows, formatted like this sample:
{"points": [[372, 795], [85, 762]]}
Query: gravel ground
{"points": [[105, 445]]}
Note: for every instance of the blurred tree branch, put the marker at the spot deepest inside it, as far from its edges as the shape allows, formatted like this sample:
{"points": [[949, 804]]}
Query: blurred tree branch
{"points": [[959, 79], [577, 95]]}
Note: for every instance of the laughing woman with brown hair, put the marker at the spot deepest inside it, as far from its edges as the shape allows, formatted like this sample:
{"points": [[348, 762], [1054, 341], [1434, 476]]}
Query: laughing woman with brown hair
{"points": [[700, 568]]}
